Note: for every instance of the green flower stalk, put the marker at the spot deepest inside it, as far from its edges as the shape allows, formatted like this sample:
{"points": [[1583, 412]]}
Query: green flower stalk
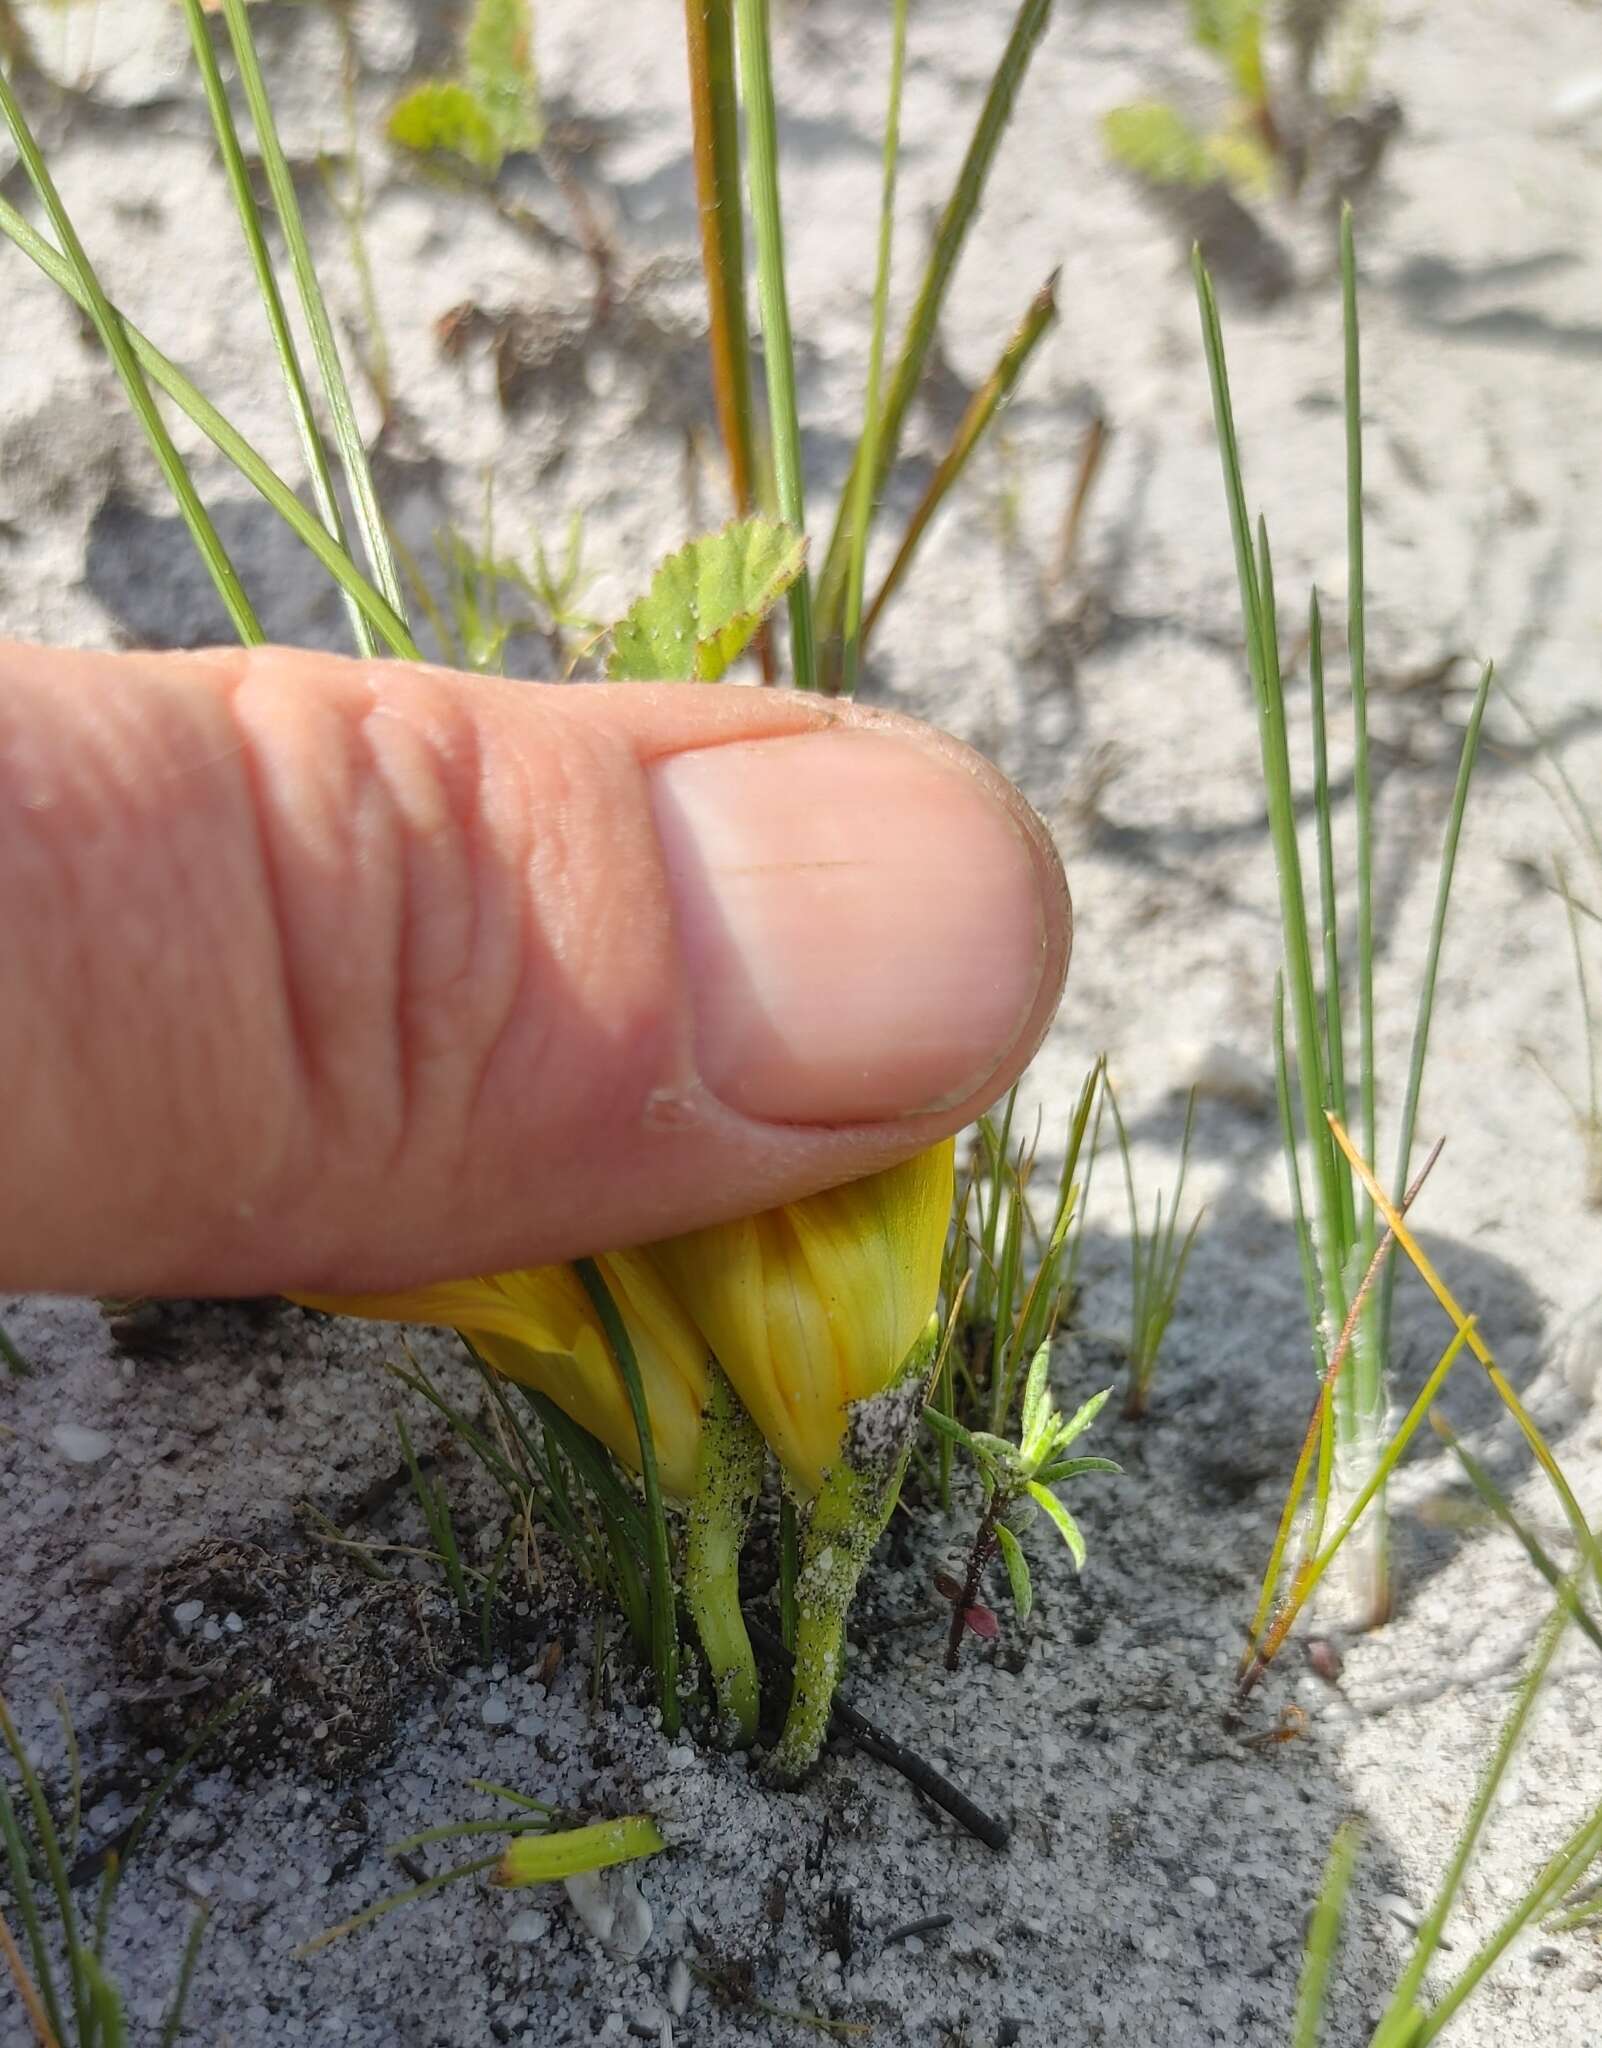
{"points": [[846, 1519], [728, 1479], [821, 1314]]}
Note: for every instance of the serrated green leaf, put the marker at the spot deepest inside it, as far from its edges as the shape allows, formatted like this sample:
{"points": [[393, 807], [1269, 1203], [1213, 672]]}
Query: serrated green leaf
{"points": [[1067, 1527], [498, 56], [705, 604], [1156, 142], [1023, 1592], [445, 114]]}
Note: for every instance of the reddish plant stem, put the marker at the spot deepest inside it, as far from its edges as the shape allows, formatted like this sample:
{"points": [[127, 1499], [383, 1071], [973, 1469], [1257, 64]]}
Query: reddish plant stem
{"points": [[985, 1546]]}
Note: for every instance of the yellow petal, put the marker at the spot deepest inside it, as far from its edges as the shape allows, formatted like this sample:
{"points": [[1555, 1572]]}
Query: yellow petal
{"points": [[815, 1305], [537, 1327]]}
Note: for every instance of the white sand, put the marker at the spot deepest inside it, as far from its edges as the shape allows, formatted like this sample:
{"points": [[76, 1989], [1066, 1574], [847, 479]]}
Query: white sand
{"points": [[1156, 1886]]}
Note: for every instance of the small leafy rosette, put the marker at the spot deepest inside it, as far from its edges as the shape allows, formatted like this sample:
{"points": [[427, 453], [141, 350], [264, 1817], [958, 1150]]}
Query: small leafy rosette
{"points": [[538, 1327], [816, 1305]]}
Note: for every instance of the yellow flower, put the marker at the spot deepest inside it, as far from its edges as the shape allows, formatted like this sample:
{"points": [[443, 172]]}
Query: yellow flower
{"points": [[810, 1307], [538, 1327]]}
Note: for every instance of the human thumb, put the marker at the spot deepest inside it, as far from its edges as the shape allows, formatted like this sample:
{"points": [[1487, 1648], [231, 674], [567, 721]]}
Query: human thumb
{"points": [[325, 975]]}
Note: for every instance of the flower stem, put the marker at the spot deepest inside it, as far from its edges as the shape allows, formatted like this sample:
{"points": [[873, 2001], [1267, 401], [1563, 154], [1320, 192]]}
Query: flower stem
{"points": [[847, 1519], [728, 1478]]}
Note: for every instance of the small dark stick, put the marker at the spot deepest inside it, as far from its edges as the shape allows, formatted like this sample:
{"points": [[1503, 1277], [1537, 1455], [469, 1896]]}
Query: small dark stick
{"points": [[921, 1775]]}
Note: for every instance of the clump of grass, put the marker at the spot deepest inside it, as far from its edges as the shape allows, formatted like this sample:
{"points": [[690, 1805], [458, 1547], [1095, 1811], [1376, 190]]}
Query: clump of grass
{"points": [[1158, 1257], [1337, 1237], [1007, 1284], [66, 1993], [1286, 1589]]}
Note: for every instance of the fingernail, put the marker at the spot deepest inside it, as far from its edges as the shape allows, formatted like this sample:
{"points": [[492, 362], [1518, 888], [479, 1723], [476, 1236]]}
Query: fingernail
{"points": [[866, 922]]}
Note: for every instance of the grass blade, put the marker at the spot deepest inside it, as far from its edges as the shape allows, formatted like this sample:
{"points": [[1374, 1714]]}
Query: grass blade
{"points": [[981, 410], [1426, 995], [664, 1620], [224, 437], [325, 349], [863, 477], [1357, 657], [1398, 2021], [1323, 1937], [778, 347], [15, 1363], [1494, 1498], [118, 346], [233, 157], [1028, 26], [715, 123], [174, 2025]]}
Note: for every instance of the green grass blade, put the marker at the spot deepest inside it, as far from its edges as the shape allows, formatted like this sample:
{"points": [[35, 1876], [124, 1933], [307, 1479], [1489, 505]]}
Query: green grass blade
{"points": [[118, 347], [664, 1620], [778, 357], [15, 1363], [1467, 756], [1293, 1172], [1028, 26], [1563, 1869], [1334, 1033], [28, 1906], [1494, 1498], [224, 437], [325, 349], [173, 2028], [715, 124], [981, 410], [1405, 1998], [1323, 1936], [863, 484], [1356, 644], [233, 157], [381, 1907], [55, 1865]]}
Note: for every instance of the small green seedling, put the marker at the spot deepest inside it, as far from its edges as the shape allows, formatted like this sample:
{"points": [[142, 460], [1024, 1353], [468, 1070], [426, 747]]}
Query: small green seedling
{"points": [[1157, 1262], [492, 108], [1017, 1479]]}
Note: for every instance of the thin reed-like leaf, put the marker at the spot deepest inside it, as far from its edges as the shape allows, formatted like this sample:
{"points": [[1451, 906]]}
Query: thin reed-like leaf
{"points": [[250, 222], [1467, 755], [664, 1620], [172, 2030], [980, 411], [117, 344], [1357, 658], [1398, 2024], [778, 347], [169, 378], [1323, 1936], [715, 127], [1028, 26], [325, 348], [863, 484]]}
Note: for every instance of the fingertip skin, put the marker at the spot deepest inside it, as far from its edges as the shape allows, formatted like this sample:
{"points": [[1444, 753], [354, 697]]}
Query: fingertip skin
{"points": [[328, 974]]}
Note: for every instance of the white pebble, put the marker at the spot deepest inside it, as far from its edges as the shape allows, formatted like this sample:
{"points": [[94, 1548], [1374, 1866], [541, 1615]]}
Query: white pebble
{"points": [[527, 1928], [80, 1445], [680, 1758], [188, 1612], [1204, 1887], [495, 1713], [678, 1987], [233, 1624]]}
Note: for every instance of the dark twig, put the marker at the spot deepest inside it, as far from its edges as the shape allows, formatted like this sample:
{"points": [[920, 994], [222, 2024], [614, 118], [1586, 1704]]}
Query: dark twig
{"points": [[920, 1774]]}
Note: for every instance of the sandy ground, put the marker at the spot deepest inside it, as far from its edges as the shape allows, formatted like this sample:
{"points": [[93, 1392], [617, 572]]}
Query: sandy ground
{"points": [[1160, 1871]]}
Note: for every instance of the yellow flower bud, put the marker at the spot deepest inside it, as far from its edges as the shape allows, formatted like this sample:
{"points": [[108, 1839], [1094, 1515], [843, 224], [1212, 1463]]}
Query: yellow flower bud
{"points": [[537, 1327], [813, 1306]]}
